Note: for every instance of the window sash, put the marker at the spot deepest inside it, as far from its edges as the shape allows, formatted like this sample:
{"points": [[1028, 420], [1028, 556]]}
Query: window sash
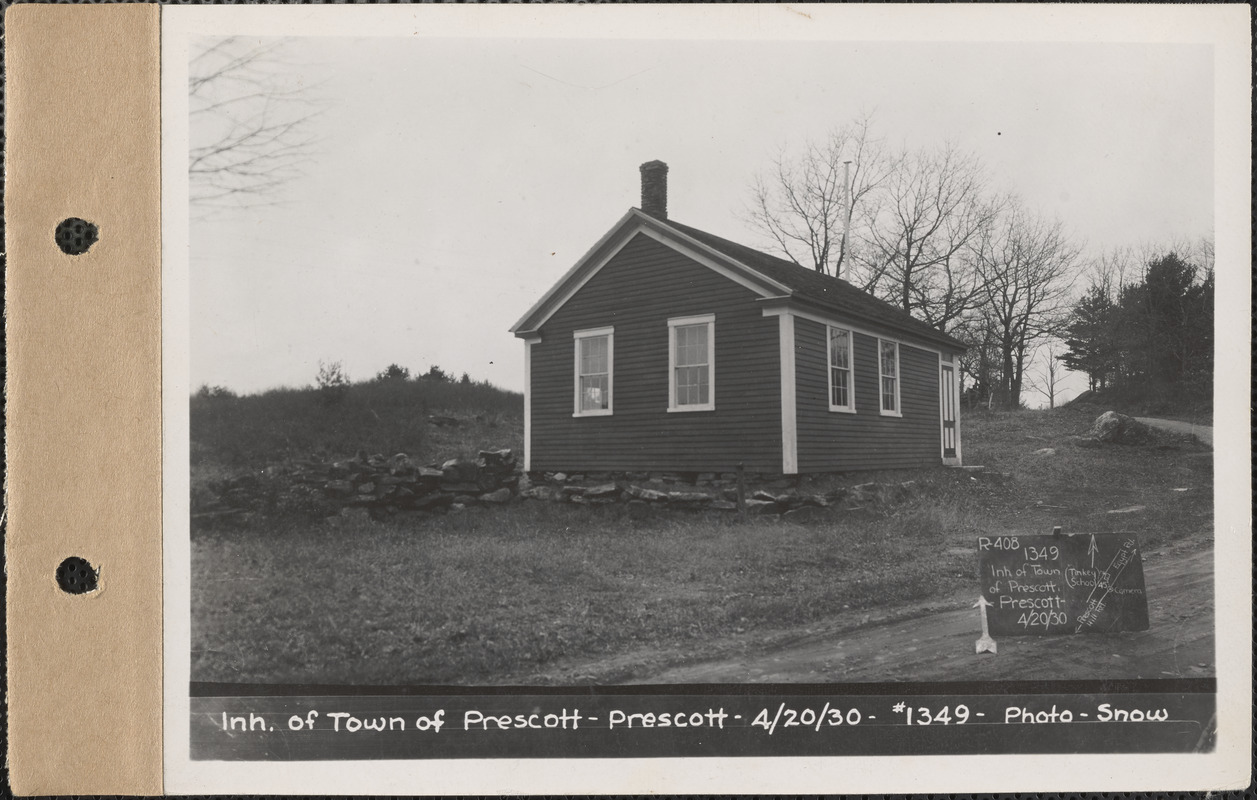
{"points": [[888, 360], [841, 394], [691, 341], [593, 372]]}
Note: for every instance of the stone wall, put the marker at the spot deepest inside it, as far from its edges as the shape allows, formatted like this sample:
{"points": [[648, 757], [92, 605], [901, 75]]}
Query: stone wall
{"points": [[381, 486]]}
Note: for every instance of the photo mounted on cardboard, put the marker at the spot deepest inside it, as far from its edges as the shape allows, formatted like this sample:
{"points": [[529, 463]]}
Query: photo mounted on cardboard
{"points": [[531, 397]]}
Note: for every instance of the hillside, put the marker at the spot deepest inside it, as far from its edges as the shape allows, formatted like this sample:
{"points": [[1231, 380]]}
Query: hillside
{"points": [[1144, 404], [429, 420]]}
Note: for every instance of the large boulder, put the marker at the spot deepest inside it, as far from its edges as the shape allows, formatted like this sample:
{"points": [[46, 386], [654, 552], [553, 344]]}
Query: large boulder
{"points": [[1114, 428]]}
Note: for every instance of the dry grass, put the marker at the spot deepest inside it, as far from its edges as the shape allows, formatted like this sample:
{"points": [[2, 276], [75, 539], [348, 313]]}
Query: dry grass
{"points": [[510, 594]]}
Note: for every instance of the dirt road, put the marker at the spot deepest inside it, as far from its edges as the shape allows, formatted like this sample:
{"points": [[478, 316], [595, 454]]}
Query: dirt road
{"points": [[939, 645], [1202, 432]]}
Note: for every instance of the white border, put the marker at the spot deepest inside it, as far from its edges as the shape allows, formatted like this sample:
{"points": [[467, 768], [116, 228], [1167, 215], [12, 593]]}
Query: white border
{"points": [[593, 333], [676, 322], [1225, 27]]}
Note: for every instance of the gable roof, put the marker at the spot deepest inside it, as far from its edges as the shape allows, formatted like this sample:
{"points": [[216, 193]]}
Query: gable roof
{"points": [[826, 291], [771, 277]]}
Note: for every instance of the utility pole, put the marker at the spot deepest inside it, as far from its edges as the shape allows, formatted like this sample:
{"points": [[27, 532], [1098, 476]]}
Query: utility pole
{"points": [[844, 268]]}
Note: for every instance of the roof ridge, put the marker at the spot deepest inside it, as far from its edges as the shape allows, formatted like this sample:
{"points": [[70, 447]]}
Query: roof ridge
{"points": [[813, 285]]}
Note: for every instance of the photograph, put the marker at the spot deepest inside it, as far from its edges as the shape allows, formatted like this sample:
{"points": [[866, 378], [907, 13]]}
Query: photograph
{"points": [[646, 366]]}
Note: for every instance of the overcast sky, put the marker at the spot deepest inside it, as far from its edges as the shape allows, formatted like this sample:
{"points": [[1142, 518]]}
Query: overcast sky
{"points": [[456, 180]]}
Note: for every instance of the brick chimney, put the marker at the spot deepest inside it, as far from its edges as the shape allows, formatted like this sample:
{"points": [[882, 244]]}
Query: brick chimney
{"points": [[655, 189]]}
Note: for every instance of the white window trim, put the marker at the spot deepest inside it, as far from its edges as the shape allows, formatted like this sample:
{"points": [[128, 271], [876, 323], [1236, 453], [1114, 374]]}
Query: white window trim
{"points": [[898, 412], [592, 333], [673, 324], [849, 408]]}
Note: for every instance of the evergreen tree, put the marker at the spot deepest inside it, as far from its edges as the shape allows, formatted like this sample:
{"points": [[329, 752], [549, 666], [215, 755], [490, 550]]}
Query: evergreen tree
{"points": [[1091, 338]]}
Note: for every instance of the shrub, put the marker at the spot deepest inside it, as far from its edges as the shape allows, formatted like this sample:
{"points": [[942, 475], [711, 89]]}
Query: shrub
{"points": [[394, 373], [207, 392], [333, 383]]}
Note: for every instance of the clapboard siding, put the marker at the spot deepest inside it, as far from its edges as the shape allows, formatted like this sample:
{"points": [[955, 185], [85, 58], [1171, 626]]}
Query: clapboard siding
{"points": [[835, 441], [643, 286]]}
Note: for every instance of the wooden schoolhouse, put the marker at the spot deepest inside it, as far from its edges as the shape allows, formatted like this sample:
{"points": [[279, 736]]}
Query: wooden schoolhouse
{"points": [[666, 348]]}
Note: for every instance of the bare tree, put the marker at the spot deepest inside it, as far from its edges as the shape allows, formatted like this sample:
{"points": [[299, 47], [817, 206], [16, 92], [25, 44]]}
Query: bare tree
{"points": [[801, 203], [1048, 378], [249, 123], [1027, 267], [918, 250]]}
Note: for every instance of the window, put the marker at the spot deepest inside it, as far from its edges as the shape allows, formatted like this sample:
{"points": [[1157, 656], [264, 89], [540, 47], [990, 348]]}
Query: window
{"points": [[888, 357], [691, 359], [594, 359], [841, 389]]}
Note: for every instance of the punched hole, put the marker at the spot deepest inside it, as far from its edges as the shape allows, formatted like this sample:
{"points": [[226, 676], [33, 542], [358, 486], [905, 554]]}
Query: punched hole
{"points": [[76, 236], [76, 576]]}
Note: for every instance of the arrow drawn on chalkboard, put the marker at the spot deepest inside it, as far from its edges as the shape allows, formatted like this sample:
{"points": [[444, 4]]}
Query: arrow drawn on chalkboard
{"points": [[1092, 550], [986, 644]]}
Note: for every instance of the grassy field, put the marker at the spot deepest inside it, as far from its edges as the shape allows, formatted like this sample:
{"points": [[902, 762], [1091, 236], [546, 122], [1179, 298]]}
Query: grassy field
{"points": [[520, 593], [382, 416]]}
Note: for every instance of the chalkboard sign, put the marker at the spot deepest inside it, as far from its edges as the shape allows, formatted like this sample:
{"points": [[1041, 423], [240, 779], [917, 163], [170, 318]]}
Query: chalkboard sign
{"points": [[1084, 583]]}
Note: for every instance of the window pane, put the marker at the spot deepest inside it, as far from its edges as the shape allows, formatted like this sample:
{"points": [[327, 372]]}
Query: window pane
{"points": [[888, 394], [593, 355], [594, 364], [839, 343], [593, 393], [890, 365], [691, 345], [838, 383], [689, 382]]}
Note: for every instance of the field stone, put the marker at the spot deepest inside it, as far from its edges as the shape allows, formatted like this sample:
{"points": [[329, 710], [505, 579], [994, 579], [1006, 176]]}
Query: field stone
{"points": [[1118, 428], [366, 488], [646, 494], [761, 507], [724, 505], [1045, 451], [460, 470], [500, 496], [504, 457], [339, 488], [400, 462], [542, 493], [688, 497], [602, 490], [770, 497]]}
